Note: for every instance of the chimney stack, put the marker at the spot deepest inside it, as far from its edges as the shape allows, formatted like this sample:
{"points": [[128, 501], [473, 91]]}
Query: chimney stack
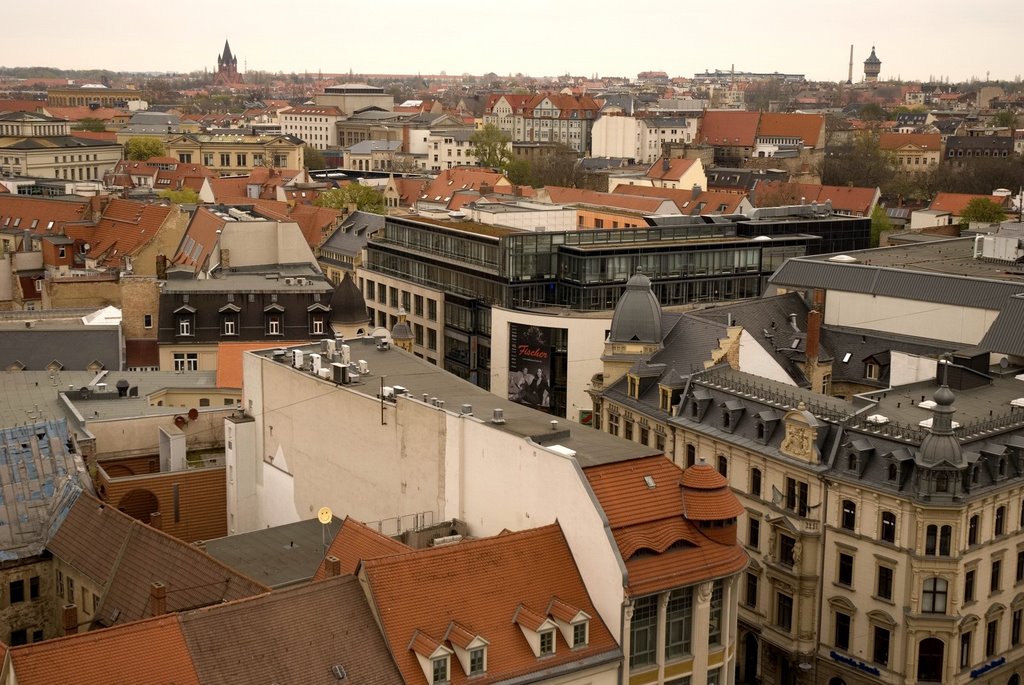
{"points": [[665, 164], [69, 619], [157, 599], [161, 267], [332, 565], [225, 258], [813, 335], [156, 520]]}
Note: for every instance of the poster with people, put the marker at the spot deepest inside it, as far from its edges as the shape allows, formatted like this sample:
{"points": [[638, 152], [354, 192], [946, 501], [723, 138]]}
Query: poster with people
{"points": [[529, 365]]}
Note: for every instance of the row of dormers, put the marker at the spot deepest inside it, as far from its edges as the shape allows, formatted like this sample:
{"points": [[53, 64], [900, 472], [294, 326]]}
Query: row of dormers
{"points": [[470, 649]]}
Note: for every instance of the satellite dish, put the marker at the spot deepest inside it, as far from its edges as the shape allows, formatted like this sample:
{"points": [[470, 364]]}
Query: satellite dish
{"points": [[324, 515]]}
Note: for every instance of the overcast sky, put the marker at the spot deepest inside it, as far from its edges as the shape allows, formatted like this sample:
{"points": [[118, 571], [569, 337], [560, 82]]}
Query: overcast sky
{"points": [[914, 40]]}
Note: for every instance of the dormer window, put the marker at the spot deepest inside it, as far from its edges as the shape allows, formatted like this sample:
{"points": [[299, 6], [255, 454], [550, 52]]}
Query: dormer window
{"points": [[547, 643], [185, 320], [439, 668], [476, 661], [634, 387], [871, 370], [579, 635]]}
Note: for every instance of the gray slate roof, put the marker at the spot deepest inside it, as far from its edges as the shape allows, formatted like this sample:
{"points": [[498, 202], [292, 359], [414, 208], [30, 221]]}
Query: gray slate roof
{"points": [[1006, 334], [73, 346]]}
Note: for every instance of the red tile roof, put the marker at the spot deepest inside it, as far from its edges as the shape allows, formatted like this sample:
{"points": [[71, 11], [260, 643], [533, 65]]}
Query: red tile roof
{"points": [[151, 652], [729, 127], [124, 228], [849, 199], [580, 196], [461, 178], [356, 542], [203, 230], [655, 509], [24, 210], [704, 203], [677, 167], [481, 584], [955, 203], [898, 141], [810, 128]]}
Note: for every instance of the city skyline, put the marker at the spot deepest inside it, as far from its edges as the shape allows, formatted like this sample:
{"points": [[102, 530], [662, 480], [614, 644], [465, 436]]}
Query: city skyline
{"points": [[532, 40]]}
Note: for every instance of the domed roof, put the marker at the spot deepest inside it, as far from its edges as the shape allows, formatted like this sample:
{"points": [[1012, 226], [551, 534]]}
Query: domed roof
{"points": [[941, 445], [707, 496], [347, 304], [401, 330], [637, 315]]}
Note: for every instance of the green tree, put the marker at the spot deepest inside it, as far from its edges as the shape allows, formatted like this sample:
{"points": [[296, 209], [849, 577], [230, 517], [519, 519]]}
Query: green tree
{"points": [[185, 196], [1005, 118], [491, 146], [982, 210], [859, 162], [560, 168], [879, 224], [143, 148], [312, 158], [365, 198]]}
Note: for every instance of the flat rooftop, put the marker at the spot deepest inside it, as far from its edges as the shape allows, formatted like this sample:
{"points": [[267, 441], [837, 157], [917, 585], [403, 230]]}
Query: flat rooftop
{"points": [[954, 257], [420, 378], [279, 556]]}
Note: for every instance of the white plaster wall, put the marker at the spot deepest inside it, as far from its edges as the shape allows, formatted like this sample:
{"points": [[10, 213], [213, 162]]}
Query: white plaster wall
{"points": [[910, 368], [6, 279], [506, 481], [548, 220], [330, 448], [264, 242], [586, 344], [125, 437], [614, 136], [756, 360], [963, 325]]}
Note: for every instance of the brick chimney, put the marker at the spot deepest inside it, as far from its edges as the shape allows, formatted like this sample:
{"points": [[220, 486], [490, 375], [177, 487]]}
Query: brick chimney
{"points": [[157, 599], [69, 619], [819, 300], [813, 335], [161, 267], [156, 520], [332, 565]]}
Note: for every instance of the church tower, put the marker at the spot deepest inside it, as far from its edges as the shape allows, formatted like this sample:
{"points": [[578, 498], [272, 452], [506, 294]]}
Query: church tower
{"points": [[227, 68]]}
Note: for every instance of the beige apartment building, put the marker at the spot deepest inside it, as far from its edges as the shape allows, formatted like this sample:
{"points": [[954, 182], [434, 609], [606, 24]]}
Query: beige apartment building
{"points": [[886, 537], [237, 153], [424, 308], [42, 146]]}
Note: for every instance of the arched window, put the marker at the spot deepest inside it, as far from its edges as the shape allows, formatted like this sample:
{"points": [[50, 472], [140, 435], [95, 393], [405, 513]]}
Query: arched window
{"points": [[1000, 523], [848, 517], [930, 658], [945, 538], [933, 596], [894, 472], [972, 530]]}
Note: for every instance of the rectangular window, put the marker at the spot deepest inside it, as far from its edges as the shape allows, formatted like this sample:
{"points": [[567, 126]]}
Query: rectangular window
{"points": [[884, 582], [751, 598], [842, 631], [796, 496], [991, 638], [394, 297], [786, 547], [715, 625], [440, 671], [969, 586], [1015, 626], [579, 635], [965, 650], [147, 320], [274, 325], [547, 642], [431, 339], [318, 325], [240, 159], [845, 570], [476, 661], [784, 611], [880, 650], [643, 632], [33, 587], [1020, 566], [417, 305], [185, 157], [229, 326], [754, 533], [186, 361], [432, 309], [225, 159], [996, 580], [185, 326], [207, 159], [755, 482], [60, 583], [16, 591]]}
